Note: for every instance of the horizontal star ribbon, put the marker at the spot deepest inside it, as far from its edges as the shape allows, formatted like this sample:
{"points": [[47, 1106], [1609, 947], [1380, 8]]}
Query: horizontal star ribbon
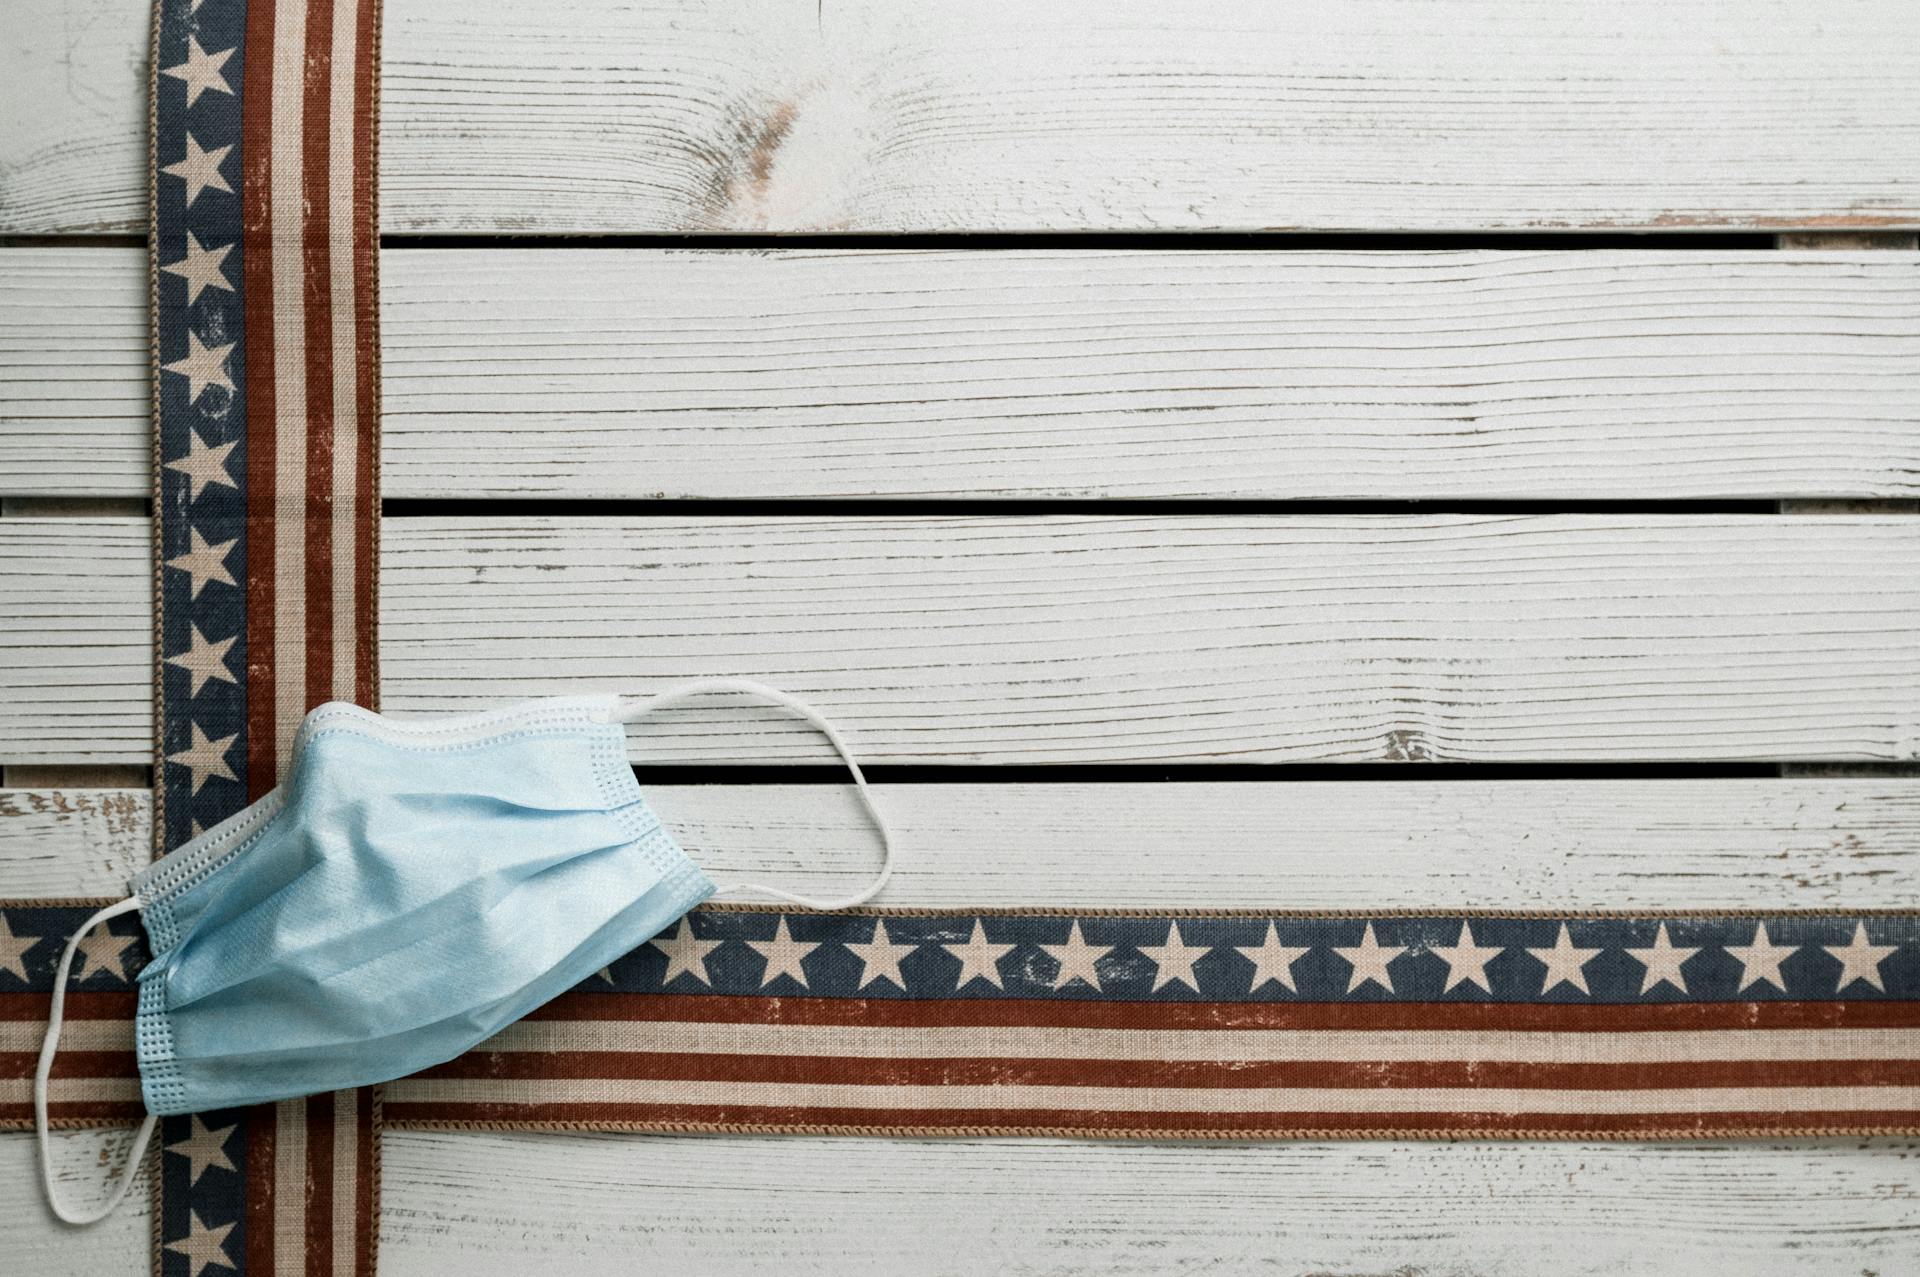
{"points": [[1146, 1025]]}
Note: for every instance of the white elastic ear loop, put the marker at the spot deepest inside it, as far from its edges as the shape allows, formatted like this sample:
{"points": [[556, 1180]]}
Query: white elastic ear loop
{"points": [[631, 708], [45, 1071]]}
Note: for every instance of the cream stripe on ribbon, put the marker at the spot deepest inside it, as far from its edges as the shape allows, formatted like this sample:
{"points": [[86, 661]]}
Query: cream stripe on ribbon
{"points": [[288, 202], [346, 363], [1252, 1045], [1125, 1099], [290, 1186]]}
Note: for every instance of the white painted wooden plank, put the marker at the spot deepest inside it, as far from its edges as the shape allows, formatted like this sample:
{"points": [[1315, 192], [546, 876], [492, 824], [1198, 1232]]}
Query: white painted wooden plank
{"points": [[1562, 844], [1058, 373], [76, 629], [1191, 639], [485, 1204], [886, 115], [73, 373], [38, 1245], [72, 842], [73, 94], [498, 1204], [1103, 639]]}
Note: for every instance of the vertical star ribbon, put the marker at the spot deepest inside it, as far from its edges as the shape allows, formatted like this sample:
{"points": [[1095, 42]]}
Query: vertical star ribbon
{"points": [[265, 408]]}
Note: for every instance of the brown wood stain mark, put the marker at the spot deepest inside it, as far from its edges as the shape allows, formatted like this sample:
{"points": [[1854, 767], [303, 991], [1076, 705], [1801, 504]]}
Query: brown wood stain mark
{"points": [[1855, 220], [743, 171]]}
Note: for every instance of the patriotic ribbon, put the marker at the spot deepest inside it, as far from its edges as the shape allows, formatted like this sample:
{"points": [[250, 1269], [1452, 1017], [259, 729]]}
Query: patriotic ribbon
{"points": [[1136, 1025], [266, 468]]}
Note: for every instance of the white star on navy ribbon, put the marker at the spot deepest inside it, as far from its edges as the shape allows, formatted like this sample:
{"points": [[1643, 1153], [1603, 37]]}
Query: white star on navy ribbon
{"points": [[979, 959], [1077, 959], [1663, 962], [202, 268], [204, 466], [203, 563], [686, 953], [1467, 960], [783, 954], [1566, 963], [1272, 961], [204, 1148], [202, 366], [205, 662], [104, 952], [1369, 960], [205, 759], [200, 169], [880, 957], [202, 1246], [1173, 961], [1860, 960], [13, 949], [1760, 961], [201, 71]]}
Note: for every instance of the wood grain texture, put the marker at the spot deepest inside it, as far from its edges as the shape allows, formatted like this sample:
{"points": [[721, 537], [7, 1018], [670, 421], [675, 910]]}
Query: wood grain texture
{"points": [[880, 115], [76, 640], [73, 842], [1089, 639], [498, 1204], [958, 640], [38, 1245], [1557, 844], [1057, 374], [73, 373], [479, 1204]]}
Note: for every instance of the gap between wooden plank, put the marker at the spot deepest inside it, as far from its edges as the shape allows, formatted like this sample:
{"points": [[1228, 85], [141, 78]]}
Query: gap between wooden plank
{"points": [[505, 508], [38, 507], [98, 776], [1086, 241], [1842, 241]]}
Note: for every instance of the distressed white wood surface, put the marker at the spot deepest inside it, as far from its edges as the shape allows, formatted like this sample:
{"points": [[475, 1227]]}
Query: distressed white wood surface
{"points": [[501, 1204], [76, 627], [1606, 638], [490, 1204], [1058, 373], [72, 842], [38, 1245], [1104, 639], [934, 115], [1568, 844]]}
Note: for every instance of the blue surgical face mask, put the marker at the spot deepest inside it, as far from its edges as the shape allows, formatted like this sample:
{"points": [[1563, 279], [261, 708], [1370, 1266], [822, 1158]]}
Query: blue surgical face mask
{"points": [[410, 889]]}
